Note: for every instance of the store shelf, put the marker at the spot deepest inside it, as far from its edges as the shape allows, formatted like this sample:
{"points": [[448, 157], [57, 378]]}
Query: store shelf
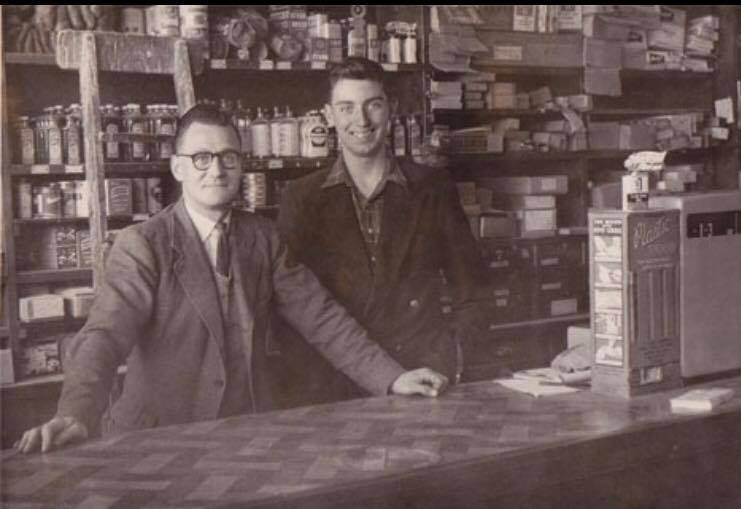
{"points": [[31, 59], [637, 74], [56, 170], [60, 221], [524, 70], [29, 277], [286, 163], [486, 114], [562, 155], [52, 327], [45, 380], [270, 66], [542, 321], [621, 112]]}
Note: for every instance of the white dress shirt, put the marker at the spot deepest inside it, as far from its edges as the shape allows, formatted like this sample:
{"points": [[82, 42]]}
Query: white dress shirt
{"points": [[205, 228]]}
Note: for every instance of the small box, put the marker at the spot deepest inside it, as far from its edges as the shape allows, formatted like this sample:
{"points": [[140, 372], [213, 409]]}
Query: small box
{"points": [[601, 28], [568, 18], [84, 249], [524, 18], [539, 97], [163, 20], [497, 224], [77, 300], [133, 21], [526, 201], [502, 102], [551, 184], [637, 136], [537, 222], [600, 53], [40, 359], [581, 102], [39, 308], [118, 197], [604, 135], [503, 88], [335, 50], [318, 49]]}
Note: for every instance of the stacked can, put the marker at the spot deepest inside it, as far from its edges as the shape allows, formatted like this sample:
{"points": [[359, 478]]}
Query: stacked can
{"points": [[255, 190]]}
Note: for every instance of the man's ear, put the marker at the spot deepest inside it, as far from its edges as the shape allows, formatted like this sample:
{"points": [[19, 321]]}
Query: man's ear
{"points": [[329, 114], [176, 169]]}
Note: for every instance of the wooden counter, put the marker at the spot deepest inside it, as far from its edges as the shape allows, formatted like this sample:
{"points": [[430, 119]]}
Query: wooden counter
{"points": [[479, 445]]}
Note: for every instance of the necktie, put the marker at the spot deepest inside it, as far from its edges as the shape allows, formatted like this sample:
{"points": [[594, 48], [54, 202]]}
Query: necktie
{"points": [[222, 249]]}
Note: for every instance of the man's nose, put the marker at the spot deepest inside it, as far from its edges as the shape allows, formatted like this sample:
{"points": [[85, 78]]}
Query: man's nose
{"points": [[361, 116], [216, 169]]}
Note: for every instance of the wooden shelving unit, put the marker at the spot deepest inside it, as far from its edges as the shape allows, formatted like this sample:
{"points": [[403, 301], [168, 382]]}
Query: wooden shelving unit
{"points": [[32, 277]]}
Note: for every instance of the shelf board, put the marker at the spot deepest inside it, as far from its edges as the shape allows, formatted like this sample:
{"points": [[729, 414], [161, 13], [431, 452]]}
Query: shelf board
{"points": [[270, 66], [664, 74], [31, 59], [560, 155], [286, 163], [540, 321], [526, 70], [29, 170], [612, 112], [488, 114], [53, 221], [51, 327], [28, 277], [51, 379]]}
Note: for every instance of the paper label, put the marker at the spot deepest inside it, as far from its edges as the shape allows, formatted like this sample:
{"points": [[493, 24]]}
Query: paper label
{"points": [[511, 53]]}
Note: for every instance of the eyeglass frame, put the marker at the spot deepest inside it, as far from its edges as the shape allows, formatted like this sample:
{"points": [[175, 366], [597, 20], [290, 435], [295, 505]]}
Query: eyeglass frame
{"points": [[211, 156]]}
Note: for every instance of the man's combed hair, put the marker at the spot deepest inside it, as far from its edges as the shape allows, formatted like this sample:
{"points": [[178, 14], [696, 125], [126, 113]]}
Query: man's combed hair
{"points": [[206, 114], [357, 68]]}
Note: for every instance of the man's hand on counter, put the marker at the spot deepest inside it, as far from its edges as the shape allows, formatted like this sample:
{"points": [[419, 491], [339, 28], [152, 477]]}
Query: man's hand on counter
{"points": [[54, 433], [422, 381]]}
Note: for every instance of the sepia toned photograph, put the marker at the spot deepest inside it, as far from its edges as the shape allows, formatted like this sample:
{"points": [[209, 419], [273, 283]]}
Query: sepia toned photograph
{"points": [[370, 256]]}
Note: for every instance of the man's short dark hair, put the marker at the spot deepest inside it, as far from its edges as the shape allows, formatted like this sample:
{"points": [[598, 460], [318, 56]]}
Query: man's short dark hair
{"points": [[206, 114], [356, 68]]}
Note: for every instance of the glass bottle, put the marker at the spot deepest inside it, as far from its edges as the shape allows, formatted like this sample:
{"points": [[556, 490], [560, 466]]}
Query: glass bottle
{"points": [[260, 133], [73, 144], [275, 127], [290, 145], [111, 123]]}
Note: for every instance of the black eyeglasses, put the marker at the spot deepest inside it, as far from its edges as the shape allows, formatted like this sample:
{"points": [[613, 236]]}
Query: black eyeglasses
{"points": [[229, 159]]}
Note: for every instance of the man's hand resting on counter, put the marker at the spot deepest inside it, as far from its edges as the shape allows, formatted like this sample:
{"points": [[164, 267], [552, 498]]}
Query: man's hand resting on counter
{"points": [[422, 381], [54, 433]]}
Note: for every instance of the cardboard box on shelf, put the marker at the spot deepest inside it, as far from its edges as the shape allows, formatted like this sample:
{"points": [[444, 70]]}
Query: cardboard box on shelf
{"points": [[671, 33], [524, 18], [637, 136], [604, 135], [39, 308], [542, 184], [568, 18], [525, 49], [601, 53]]}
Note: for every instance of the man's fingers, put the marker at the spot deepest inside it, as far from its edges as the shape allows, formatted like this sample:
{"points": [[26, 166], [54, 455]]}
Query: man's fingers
{"points": [[72, 433], [29, 441]]}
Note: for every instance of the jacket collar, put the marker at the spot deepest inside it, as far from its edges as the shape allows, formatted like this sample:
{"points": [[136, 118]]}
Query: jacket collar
{"points": [[339, 174]]}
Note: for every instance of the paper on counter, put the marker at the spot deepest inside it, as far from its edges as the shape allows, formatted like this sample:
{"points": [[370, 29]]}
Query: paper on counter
{"points": [[535, 388]]}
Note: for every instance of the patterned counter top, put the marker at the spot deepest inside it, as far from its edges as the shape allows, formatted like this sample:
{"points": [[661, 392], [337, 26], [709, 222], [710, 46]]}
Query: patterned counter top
{"points": [[477, 442]]}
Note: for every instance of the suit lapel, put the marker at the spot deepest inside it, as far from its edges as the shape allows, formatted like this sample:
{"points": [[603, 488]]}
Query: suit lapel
{"points": [[193, 270], [399, 222]]}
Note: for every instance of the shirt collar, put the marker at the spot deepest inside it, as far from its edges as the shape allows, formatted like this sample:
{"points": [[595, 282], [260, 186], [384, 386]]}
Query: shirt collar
{"points": [[204, 225], [339, 174]]}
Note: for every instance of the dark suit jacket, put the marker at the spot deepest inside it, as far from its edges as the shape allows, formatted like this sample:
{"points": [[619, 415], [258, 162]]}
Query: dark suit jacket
{"points": [[158, 310], [425, 236]]}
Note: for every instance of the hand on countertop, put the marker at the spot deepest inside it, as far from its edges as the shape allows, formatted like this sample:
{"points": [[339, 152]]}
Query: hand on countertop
{"points": [[54, 433], [422, 381]]}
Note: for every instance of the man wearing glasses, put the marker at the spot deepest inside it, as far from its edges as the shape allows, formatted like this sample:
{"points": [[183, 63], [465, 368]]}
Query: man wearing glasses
{"points": [[186, 303]]}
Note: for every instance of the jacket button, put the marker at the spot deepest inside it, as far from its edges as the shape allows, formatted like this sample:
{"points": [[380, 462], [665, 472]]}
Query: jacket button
{"points": [[414, 303], [219, 383]]}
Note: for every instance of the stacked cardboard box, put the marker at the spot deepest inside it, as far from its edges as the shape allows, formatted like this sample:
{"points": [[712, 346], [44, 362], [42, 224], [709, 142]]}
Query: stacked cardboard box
{"points": [[700, 43], [446, 95]]}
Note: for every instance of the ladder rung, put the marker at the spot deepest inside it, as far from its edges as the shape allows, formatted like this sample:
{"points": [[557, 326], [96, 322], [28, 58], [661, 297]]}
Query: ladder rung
{"points": [[134, 138]]}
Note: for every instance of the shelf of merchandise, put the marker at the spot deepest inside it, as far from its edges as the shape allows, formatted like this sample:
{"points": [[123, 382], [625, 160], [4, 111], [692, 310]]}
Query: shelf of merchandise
{"points": [[271, 66], [540, 321], [51, 327], [31, 59], [29, 277], [78, 170]]}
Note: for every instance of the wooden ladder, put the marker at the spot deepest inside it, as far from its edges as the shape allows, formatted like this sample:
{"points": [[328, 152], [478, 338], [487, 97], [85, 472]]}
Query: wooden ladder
{"points": [[92, 52]]}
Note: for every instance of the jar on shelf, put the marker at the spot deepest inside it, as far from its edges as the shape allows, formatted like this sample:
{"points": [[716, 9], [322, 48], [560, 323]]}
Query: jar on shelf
{"points": [[162, 123], [135, 123], [41, 133], [54, 135], [72, 136], [25, 146], [112, 124]]}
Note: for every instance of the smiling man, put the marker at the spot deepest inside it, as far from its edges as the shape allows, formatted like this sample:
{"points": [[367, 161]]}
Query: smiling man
{"points": [[186, 303], [383, 235]]}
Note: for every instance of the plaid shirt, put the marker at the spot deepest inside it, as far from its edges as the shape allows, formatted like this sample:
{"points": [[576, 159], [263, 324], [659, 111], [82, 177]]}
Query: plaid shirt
{"points": [[369, 211]]}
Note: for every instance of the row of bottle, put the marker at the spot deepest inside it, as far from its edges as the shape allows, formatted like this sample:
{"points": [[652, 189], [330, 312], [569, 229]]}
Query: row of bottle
{"points": [[281, 134], [405, 136], [56, 136]]}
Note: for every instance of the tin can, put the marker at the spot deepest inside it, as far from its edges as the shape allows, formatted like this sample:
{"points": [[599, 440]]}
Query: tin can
{"points": [[163, 20], [48, 201], [154, 194], [255, 190], [24, 200], [69, 199], [139, 195]]}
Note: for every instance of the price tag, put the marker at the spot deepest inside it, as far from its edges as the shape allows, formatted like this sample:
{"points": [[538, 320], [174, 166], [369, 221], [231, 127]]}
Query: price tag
{"points": [[74, 168], [284, 66], [218, 64], [319, 65], [275, 164], [390, 67], [40, 169], [266, 65]]}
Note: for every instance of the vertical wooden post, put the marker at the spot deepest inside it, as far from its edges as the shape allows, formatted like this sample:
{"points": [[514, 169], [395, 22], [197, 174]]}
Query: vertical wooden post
{"points": [[183, 78], [94, 164], [726, 74]]}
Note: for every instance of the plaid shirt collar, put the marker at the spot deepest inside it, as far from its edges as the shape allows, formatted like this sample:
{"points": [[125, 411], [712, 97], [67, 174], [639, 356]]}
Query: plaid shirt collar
{"points": [[339, 174]]}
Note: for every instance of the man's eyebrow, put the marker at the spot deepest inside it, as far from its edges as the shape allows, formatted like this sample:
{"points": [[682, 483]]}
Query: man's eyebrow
{"points": [[375, 98]]}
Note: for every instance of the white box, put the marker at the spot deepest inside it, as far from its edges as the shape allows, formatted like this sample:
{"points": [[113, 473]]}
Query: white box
{"points": [[40, 307]]}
